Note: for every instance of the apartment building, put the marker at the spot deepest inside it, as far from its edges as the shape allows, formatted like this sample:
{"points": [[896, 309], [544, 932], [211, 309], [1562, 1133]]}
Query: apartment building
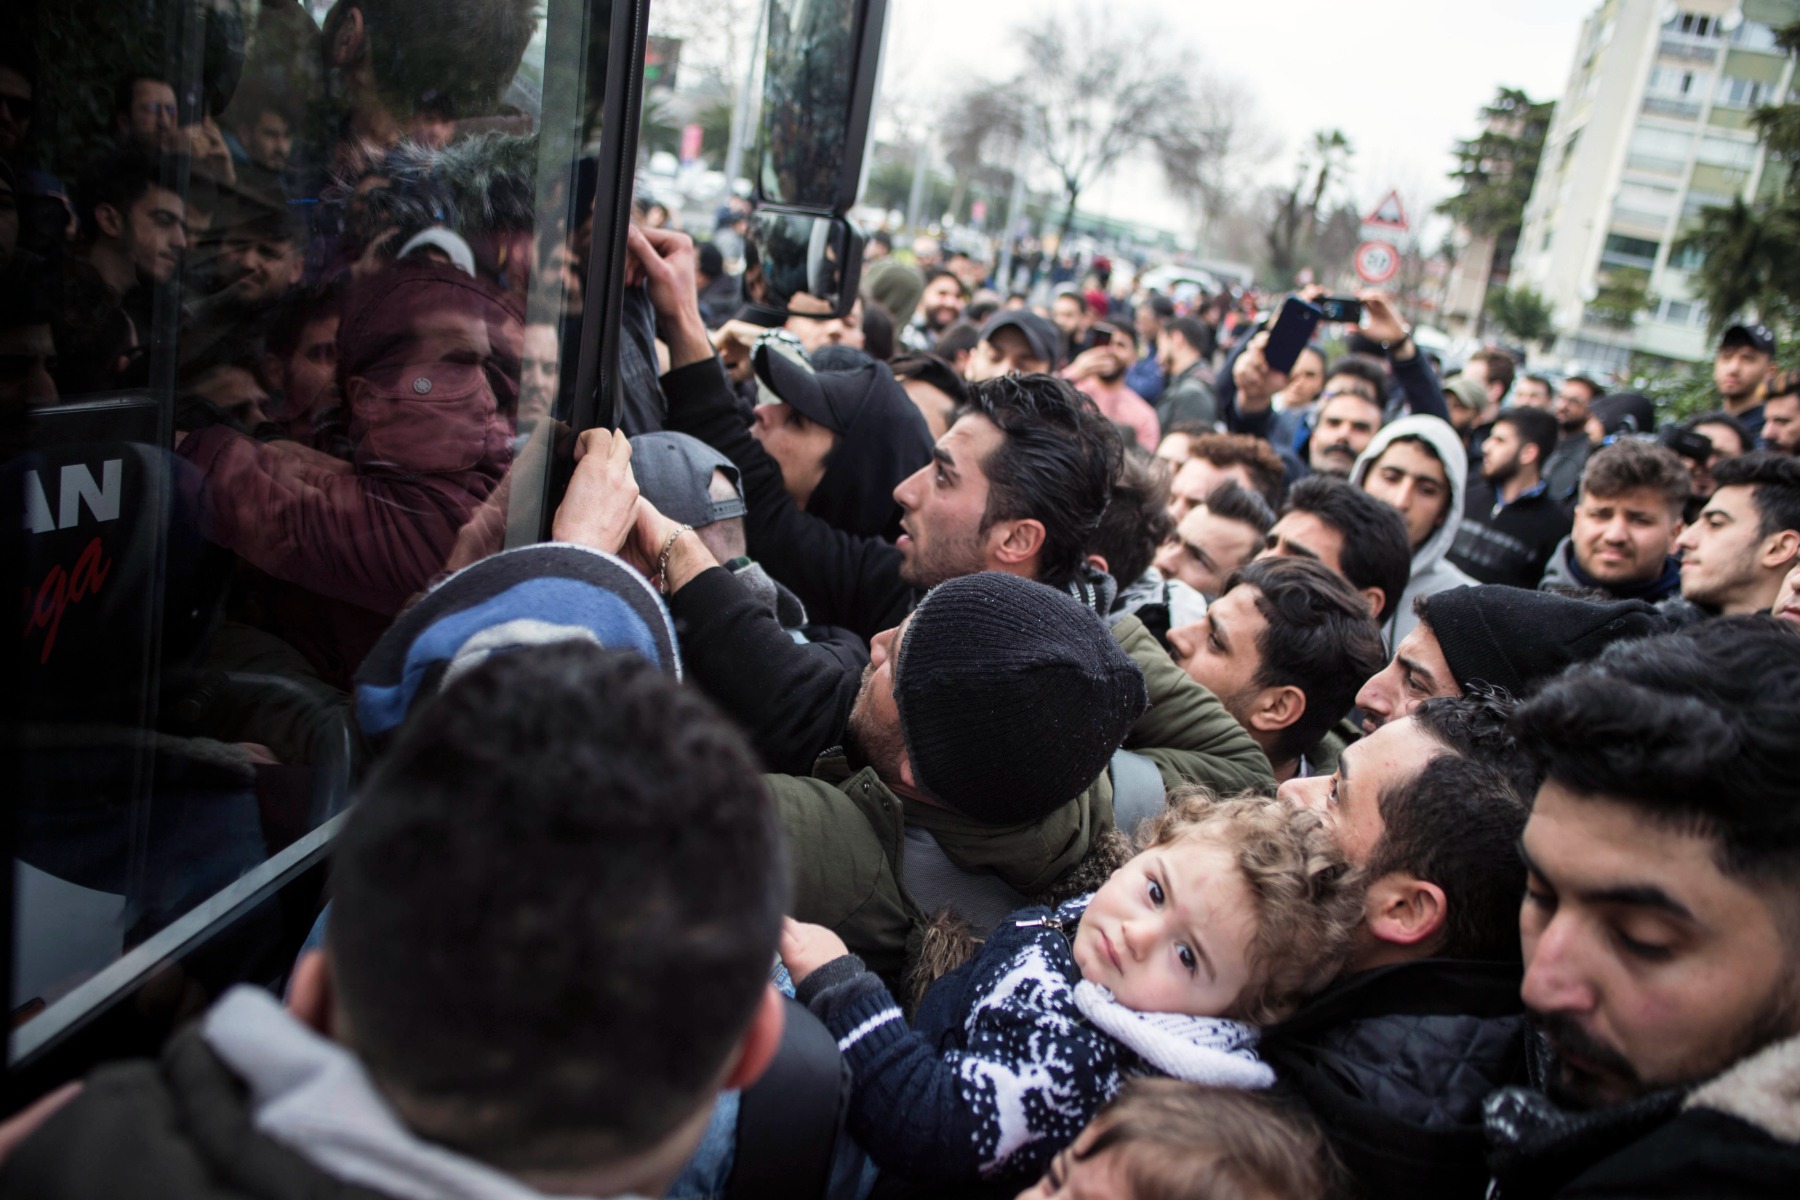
{"points": [[1653, 127]]}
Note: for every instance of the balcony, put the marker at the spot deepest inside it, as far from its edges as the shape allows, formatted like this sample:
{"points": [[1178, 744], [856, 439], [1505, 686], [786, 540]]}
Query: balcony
{"points": [[1669, 106], [1673, 45]]}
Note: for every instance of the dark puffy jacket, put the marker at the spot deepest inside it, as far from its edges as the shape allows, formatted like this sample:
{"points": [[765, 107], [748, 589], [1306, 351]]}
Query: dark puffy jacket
{"points": [[428, 360], [1395, 1063]]}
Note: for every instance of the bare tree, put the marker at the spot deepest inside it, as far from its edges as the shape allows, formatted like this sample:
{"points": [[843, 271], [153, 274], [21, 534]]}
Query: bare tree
{"points": [[1096, 90]]}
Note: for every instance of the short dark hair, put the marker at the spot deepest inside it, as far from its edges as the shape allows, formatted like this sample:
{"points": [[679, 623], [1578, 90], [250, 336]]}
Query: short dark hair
{"points": [[1595, 391], [1237, 503], [525, 963], [1195, 333], [119, 178], [1319, 638], [1500, 367], [1161, 305], [1696, 730], [1071, 293], [882, 238], [938, 273], [1367, 370], [1535, 427], [462, 53], [1377, 552], [1774, 480], [1632, 463], [960, 337], [1478, 725], [1243, 450], [1457, 824], [1137, 518], [1055, 465], [933, 370]]}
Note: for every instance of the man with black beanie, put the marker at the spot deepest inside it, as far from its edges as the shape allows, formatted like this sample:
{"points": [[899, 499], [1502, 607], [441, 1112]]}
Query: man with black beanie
{"points": [[982, 716], [1495, 636]]}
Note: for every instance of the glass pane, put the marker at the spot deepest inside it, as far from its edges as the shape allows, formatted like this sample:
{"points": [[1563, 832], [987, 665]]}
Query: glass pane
{"points": [[288, 318]]}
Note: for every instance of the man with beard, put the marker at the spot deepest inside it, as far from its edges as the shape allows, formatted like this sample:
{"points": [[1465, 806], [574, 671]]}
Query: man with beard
{"points": [[1284, 647], [1625, 526], [1510, 524], [1734, 556], [1661, 924], [1745, 358], [1099, 374], [1572, 407], [1781, 414], [940, 305], [135, 229]]}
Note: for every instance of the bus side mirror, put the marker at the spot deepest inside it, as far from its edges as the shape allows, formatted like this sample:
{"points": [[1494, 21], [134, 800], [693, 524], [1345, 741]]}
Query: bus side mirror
{"points": [[819, 71], [800, 263]]}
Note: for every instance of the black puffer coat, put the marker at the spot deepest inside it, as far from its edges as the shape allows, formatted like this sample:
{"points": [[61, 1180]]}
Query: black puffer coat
{"points": [[1395, 1063]]}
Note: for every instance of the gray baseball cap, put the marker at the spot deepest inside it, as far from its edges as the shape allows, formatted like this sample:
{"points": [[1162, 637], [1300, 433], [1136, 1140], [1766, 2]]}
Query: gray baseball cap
{"points": [[674, 472]]}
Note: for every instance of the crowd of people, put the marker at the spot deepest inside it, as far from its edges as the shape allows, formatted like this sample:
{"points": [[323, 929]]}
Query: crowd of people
{"points": [[961, 747]]}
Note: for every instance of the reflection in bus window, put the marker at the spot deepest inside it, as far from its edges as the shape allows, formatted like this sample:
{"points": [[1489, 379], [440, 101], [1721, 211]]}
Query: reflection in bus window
{"points": [[285, 296]]}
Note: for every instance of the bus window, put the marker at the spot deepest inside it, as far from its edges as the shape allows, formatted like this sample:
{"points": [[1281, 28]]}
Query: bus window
{"points": [[290, 299]]}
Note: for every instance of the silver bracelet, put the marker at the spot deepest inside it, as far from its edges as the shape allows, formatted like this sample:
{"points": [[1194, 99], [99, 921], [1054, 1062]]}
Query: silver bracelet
{"points": [[662, 563]]}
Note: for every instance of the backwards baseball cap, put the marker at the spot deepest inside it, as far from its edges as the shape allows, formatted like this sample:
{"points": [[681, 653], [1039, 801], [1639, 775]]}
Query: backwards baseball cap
{"points": [[674, 472], [832, 398], [1040, 334], [1757, 337]]}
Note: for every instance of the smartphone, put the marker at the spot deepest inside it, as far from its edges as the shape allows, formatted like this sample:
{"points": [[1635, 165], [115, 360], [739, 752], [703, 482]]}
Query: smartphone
{"points": [[1293, 328], [1347, 309], [1688, 444]]}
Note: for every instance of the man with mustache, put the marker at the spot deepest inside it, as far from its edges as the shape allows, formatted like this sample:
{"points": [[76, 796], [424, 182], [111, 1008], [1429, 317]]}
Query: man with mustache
{"points": [[1659, 930]]}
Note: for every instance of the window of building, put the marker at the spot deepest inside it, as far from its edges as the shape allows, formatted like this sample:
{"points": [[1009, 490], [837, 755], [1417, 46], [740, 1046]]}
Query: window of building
{"points": [[1695, 25], [1742, 93], [1627, 251], [1671, 81], [1664, 151], [1728, 152], [1754, 35]]}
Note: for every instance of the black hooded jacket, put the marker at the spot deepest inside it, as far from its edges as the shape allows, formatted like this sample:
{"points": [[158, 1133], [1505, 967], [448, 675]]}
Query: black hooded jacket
{"points": [[1395, 1063], [885, 441]]}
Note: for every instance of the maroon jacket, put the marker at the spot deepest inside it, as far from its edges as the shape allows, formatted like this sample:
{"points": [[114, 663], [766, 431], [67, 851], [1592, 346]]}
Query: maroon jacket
{"points": [[428, 363]]}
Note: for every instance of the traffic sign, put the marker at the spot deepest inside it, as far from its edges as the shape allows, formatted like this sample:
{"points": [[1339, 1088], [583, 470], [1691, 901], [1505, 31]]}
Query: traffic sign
{"points": [[1377, 262], [1389, 214]]}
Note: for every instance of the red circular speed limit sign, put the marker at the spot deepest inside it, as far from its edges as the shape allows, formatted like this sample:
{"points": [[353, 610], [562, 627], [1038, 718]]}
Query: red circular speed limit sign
{"points": [[1376, 262]]}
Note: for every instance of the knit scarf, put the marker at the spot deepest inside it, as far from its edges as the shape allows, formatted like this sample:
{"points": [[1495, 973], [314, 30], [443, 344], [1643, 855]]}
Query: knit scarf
{"points": [[1208, 1050]]}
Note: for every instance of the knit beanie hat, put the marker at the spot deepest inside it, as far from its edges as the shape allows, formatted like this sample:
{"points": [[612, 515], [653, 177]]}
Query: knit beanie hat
{"points": [[1517, 639], [526, 597], [896, 287], [1012, 696]]}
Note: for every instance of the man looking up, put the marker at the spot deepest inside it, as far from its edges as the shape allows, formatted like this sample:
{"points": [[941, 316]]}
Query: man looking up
{"points": [[1510, 525], [1745, 358], [1283, 647], [1351, 532], [1418, 466], [1215, 539], [1495, 636], [1748, 536], [550, 784], [1218, 458], [1572, 407], [1626, 522], [1661, 946]]}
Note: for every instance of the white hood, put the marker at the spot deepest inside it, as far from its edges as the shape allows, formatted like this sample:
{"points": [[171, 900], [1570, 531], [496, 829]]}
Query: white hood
{"points": [[313, 1096], [1431, 574]]}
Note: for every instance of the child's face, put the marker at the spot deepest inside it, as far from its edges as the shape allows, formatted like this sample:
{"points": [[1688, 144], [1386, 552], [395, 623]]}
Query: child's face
{"points": [[1099, 1177], [1171, 930]]}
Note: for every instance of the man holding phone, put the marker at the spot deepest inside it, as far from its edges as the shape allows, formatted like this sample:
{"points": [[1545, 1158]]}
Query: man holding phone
{"points": [[1099, 372], [1249, 383]]}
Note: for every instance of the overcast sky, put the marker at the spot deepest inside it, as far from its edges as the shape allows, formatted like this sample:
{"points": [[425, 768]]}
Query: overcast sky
{"points": [[1403, 78]]}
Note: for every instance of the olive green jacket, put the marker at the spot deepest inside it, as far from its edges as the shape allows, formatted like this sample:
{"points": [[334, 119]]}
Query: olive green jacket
{"points": [[846, 829]]}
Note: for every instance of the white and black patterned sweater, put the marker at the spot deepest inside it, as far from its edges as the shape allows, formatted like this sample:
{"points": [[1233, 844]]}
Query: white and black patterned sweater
{"points": [[1005, 1063]]}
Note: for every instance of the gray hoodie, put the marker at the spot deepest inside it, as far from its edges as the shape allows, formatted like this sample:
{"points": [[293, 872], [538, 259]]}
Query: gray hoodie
{"points": [[313, 1096], [1431, 572]]}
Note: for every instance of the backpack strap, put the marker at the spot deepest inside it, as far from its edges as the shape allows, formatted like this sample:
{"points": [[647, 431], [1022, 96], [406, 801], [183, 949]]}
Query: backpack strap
{"points": [[789, 1120], [1137, 791], [935, 883]]}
